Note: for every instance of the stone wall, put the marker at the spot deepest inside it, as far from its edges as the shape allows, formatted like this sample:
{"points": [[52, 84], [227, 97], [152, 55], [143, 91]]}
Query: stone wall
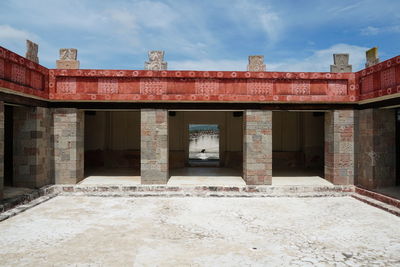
{"points": [[257, 149], [154, 146], [68, 140], [339, 146], [376, 148], [32, 149], [1, 148]]}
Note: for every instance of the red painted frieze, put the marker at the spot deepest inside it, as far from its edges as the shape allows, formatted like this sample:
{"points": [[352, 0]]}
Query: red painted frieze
{"points": [[201, 86], [22, 75], [382, 79]]}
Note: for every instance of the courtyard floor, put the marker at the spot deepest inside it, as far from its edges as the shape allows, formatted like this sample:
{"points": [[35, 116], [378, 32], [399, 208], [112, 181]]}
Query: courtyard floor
{"points": [[119, 231]]}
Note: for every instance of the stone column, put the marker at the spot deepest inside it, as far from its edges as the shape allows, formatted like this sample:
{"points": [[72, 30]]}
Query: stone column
{"points": [[31, 151], [154, 146], [257, 149], [377, 148], [339, 146], [1, 149], [68, 134]]}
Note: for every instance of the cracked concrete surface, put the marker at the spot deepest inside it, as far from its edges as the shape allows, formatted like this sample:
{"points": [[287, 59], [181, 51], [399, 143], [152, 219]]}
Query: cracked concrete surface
{"points": [[104, 231]]}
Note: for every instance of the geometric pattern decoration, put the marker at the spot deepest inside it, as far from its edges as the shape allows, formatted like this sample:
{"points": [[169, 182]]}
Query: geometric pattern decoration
{"points": [[207, 86], [367, 84], [153, 86], [337, 88], [259, 87], [66, 85], [108, 86], [18, 73], [301, 87], [388, 78]]}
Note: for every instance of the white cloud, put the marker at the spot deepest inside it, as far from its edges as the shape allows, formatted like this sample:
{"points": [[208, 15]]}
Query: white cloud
{"points": [[10, 34], [256, 15], [320, 60], [371, 30]]}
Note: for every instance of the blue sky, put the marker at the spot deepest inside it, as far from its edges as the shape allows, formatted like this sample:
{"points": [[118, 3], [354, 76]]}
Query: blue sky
{"points": [[293, 35]]}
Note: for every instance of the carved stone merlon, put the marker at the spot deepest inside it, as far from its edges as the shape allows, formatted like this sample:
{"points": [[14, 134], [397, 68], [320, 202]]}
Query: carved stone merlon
{"points": [[32, 50], [256, 63], [156, 61], [341, 63], [372, 57], [68, 59]]}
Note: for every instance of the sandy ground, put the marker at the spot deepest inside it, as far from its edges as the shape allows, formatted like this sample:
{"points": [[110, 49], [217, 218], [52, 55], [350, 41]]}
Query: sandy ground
{"points": [[105, 231]]}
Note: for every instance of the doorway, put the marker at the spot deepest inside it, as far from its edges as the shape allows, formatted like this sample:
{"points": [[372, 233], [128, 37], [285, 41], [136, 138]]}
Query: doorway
{"points": [[204, 145]]}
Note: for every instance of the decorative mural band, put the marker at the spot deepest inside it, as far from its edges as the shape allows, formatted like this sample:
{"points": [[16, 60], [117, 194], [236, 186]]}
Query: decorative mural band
{"points": [[260, 87], [207, 87], [27, 77], [108, 86], [153, 86]]}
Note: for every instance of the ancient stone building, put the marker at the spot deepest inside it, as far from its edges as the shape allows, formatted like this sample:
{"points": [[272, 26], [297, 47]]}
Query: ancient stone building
{"points": [[59, 125]]}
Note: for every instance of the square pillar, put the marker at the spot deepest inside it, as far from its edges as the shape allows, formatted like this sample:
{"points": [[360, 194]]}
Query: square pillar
{"points": [[339, 147], [32, 148], [376, 148], [1, 149], [257, 147], [154, 146], [68, 137]]}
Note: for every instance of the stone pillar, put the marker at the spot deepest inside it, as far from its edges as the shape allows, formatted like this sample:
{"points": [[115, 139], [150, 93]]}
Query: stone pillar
{"points": [[154, 146], [256, 63], [32, 148], [339, 146], [257, 147], [68, 59], [68, 135], [32, 50], [156, 61], [341, 63], [372, 57], [377, 148], [1, 149]]}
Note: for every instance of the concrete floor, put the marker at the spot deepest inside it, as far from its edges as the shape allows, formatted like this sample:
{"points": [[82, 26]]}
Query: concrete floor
{"points": [[104, 231]]}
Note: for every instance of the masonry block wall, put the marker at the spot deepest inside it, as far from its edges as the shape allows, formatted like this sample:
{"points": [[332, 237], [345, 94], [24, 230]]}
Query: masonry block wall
{"points": [[376, 148], [257, 149], [1, 149], [339, 146], [68, 138], [154, 146], [32, 147]]}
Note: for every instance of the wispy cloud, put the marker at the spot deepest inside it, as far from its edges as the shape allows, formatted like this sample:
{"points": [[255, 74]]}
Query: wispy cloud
{"points": [[371, 30]]}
